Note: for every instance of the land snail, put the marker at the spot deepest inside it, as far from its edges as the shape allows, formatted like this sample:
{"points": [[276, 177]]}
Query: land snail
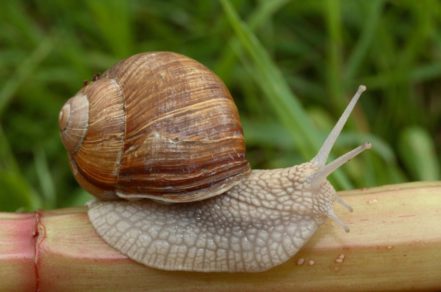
{"points": [[158, 141]]}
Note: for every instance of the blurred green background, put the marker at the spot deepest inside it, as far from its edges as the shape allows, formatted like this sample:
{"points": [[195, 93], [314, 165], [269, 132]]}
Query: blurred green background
{"points": [[291, 66]]}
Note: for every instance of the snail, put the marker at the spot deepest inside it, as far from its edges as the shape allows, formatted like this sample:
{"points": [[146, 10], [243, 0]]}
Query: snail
{"points": [[158, 141]]}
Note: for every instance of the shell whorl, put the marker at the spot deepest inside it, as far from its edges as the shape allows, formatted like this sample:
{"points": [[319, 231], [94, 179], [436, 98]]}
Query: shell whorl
{"points": [[73, 122], [160, 125]]}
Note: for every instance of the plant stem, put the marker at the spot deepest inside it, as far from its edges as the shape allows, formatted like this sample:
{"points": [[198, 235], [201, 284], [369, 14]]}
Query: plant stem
{"points": [[394, 244]]}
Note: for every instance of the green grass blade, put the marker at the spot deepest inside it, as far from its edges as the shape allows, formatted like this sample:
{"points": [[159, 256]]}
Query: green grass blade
{"points": [[113, 18], [15, 191], [418, 153], [24, 70], [45, 179], [366, 39], [279, 96], [334, 53], [259, 17]]}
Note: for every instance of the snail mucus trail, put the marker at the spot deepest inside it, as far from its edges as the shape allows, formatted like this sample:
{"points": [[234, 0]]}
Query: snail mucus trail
{"points": [[162, 127]]}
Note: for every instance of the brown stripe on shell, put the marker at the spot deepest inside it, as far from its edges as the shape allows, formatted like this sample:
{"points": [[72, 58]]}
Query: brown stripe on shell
{"points": [[202, 190], [158, 175], [180, 121], [99, 190], [99, 156], [186, 183]]}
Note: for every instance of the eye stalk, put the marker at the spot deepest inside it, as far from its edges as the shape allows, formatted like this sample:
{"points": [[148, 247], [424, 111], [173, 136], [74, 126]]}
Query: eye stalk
{"points": [[329, 168], [324, 151], [326, 169]]}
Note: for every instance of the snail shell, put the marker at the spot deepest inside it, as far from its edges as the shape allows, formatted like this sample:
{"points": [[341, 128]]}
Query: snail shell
{"points": [[156, 125]]}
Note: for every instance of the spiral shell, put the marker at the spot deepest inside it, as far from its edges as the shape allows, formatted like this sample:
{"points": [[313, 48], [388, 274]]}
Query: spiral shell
{"points": [[156, 125]]}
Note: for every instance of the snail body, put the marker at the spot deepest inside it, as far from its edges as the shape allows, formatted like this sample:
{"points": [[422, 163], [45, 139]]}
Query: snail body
{"points": [[160, 127]]}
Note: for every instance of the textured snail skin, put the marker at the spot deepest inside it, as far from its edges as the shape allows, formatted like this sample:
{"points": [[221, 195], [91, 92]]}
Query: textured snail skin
{"points": [[258, 224]]}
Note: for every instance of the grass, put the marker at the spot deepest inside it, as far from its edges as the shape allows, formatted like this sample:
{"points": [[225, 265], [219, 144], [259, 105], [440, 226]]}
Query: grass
{"points": [[291, 66]]}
